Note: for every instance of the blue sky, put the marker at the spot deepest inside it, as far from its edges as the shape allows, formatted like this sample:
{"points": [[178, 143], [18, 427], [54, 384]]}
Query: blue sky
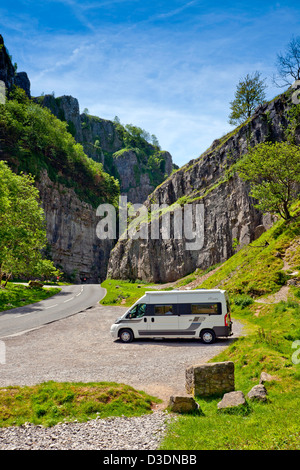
{"points": [[170, 67]]}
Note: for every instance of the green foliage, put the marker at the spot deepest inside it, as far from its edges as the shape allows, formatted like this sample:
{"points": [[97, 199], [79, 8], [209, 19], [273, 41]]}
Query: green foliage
{"points": [[243, 300], [249, 94], [34, 139], [22, 227], [123, 293], [273, 171], [17, 295]]}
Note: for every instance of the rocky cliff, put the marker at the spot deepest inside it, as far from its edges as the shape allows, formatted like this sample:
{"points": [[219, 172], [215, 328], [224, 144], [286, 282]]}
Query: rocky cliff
{"points": [[71, 233], [108, 142], [8, 73], [229, 216]]}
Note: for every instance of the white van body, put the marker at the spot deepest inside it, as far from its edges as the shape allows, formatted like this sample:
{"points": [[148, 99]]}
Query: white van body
{"points": [[200, 313]]}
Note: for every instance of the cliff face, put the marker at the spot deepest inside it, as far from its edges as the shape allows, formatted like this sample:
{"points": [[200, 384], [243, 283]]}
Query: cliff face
{"points": [[229, 215], [71, 233], [109, 143]]}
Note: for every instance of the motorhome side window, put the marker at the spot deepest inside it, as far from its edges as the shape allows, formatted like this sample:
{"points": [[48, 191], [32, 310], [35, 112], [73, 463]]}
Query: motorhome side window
{"points": [[137, 311], [208, 309], [163, 309]]}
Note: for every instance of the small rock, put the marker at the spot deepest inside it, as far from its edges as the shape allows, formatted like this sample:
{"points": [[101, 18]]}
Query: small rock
{"points": [[265, 377], [258, 392], [231, 400], [183, 404]]}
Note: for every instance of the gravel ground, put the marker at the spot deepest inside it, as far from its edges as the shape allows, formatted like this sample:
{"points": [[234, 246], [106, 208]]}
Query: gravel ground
{"points": [[139, 433], [80, 348]]}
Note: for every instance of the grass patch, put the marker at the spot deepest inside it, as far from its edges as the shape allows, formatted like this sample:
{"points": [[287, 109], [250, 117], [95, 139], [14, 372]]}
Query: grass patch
{"points": [[50, 403], [123, 293], [16, 295], [257, 269], [268, 347]]}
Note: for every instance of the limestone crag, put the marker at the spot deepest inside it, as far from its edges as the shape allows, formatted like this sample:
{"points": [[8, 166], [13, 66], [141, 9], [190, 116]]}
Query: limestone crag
{"points": [[229, 215], [71, 233], [8, 74]]}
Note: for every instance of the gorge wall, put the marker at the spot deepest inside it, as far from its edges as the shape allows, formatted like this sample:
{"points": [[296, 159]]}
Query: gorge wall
{"points": [[229, 215]]}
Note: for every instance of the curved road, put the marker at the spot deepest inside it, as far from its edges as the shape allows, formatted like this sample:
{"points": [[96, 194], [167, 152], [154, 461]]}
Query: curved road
{"points": [[71, 300]]}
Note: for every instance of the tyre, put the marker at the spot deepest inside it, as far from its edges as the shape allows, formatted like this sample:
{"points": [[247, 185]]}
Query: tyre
{"points": [[208, 336], [126, 336]]}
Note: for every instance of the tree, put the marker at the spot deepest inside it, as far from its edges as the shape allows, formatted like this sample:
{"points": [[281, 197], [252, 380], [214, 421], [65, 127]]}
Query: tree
{"points": [[273, 170], [22, 227], [288, 64], [249, 94]]}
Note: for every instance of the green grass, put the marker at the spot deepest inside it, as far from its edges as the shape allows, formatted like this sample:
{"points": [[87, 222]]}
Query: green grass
{"points": [[268, 346], [16, 295], [50, 403], [257, 269], [123, 293]]}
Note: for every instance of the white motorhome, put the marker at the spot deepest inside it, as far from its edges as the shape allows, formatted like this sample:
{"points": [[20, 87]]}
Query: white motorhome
{"points": [[200, 313]]}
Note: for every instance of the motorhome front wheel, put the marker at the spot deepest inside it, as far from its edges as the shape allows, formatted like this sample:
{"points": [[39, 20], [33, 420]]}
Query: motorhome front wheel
{"points": [[126, 336]]}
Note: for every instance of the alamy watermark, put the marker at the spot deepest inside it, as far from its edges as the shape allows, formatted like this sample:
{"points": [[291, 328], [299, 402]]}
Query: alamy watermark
{"points": [[296, 354], [2, 92], [137, 221], [2, 353], [296, 94]]}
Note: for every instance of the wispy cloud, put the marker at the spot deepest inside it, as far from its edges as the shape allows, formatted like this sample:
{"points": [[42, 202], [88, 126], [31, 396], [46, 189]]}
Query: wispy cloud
{"points": [[176, 11]]}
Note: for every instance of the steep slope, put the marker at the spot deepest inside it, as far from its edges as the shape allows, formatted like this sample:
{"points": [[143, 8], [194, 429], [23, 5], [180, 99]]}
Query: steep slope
{"points": [[210, 180]]}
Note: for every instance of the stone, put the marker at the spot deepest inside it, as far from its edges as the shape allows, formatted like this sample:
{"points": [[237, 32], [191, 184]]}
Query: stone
{"points": [[265, 377], [183, 404], [259, 230], [232, 400], [205, 380], [258, 392]]}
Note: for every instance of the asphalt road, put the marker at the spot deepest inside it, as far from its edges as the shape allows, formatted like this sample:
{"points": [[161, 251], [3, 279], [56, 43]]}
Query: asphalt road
{"points": [[71, 300]]}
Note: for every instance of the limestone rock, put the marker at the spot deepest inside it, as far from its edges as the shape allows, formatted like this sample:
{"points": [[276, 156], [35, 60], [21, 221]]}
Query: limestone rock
{"points": [[183, 404], [232, 400], [210, 379], [265, 377], [71, 233], [22, 81], [258, 392]]}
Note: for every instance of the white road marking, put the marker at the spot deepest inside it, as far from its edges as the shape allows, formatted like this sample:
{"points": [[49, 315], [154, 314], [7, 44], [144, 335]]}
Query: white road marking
{"points": [[68, 300]]}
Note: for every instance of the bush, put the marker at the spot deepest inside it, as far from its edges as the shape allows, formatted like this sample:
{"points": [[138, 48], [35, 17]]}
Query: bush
{"points": [[243, 300]]}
